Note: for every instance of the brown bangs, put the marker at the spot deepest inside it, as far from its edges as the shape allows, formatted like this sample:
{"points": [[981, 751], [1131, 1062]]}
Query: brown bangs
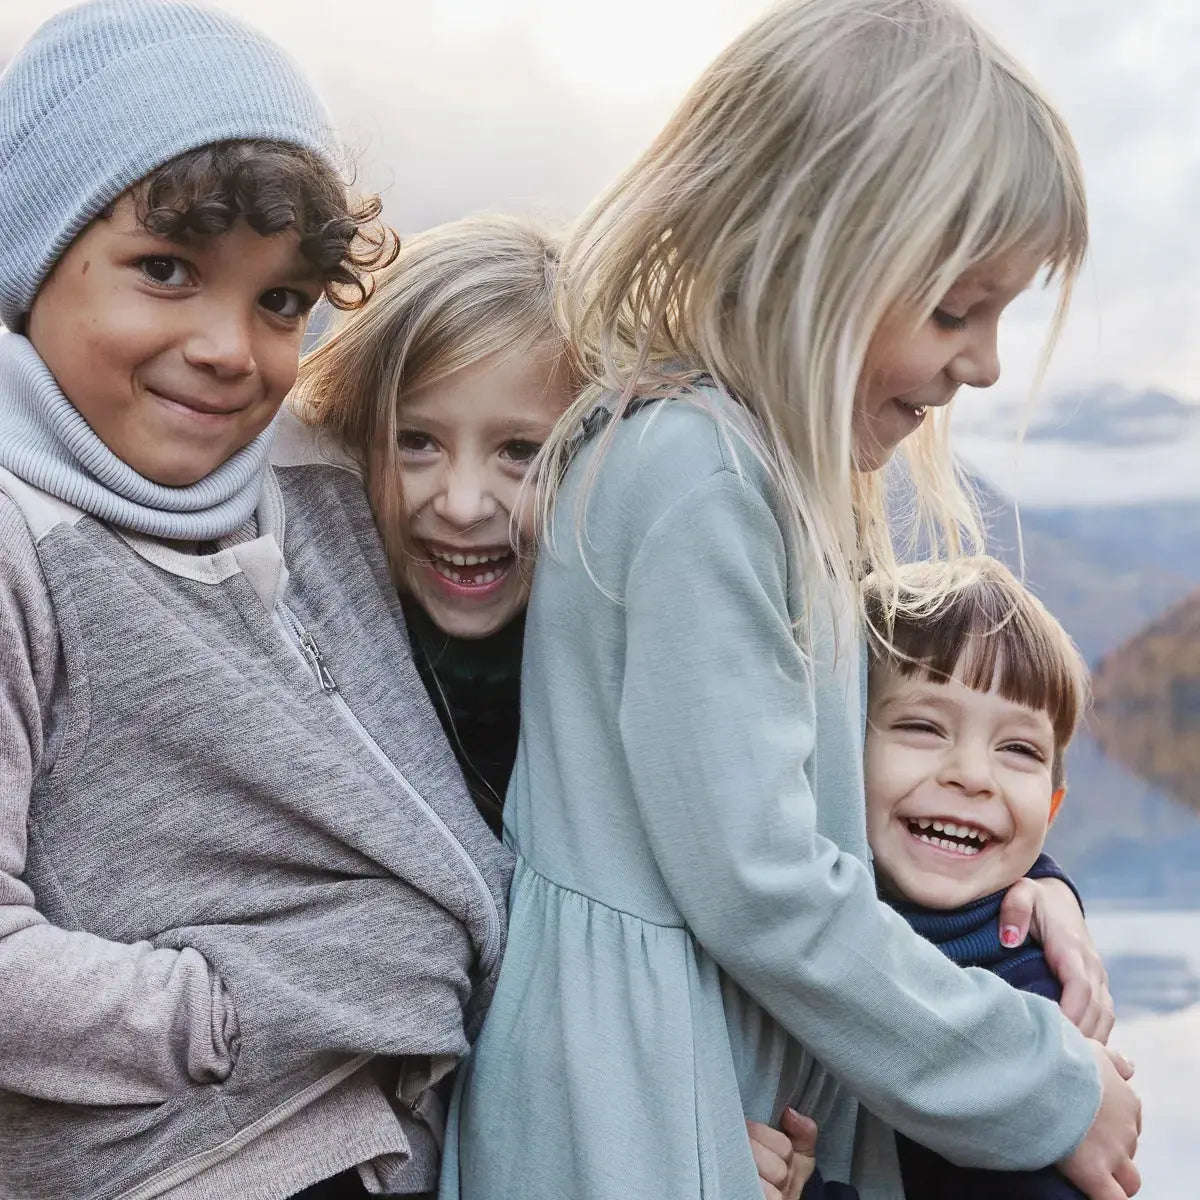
{"points": [[989, 631]]}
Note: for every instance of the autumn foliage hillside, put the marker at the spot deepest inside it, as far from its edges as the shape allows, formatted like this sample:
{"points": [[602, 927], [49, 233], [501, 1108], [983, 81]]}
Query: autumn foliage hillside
{"points": [[1147, 713]]}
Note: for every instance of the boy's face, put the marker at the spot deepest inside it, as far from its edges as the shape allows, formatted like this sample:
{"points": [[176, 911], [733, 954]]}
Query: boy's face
{"points": [[176, 354], [959, 786]]}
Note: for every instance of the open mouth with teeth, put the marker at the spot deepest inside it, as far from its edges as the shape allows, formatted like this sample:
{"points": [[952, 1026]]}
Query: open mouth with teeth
{"points": [[481, 570], [917, 410], [966, 840]]}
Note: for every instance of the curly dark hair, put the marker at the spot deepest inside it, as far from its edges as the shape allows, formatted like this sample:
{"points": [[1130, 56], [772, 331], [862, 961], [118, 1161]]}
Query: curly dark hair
{"points": [[275, 186]]}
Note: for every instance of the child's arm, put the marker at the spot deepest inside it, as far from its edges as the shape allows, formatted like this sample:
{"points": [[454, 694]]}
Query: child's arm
{"points": [[718, 724], [85, 1021]]}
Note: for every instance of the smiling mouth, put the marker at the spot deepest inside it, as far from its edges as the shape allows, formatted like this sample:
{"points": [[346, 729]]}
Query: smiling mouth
{"points": [[917, 410], [480, 569], [196, 406], [967, 840]]}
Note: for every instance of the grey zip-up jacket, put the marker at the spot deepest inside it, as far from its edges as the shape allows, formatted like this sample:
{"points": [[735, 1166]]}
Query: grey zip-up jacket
{"points": [[237, 859]]}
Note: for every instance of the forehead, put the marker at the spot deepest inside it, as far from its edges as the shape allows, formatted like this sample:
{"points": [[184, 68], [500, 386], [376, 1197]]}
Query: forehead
{"points": [[238, 250], [528, 388], [1004, 275], [891, 689]]}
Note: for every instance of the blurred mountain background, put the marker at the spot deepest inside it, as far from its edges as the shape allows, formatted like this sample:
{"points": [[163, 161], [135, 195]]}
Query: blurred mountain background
{"points": [[1110, 525]]}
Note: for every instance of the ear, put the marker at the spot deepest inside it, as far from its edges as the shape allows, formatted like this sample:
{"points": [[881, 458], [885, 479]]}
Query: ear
{"points": [[1055, 802]]}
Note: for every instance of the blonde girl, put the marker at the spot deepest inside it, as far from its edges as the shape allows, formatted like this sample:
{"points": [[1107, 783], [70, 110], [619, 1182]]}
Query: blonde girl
{"points": [[795, 279], [443, 390]]}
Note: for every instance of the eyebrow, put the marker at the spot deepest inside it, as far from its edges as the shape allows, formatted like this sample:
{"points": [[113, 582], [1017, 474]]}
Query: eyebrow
{"points": [[518, 428]]}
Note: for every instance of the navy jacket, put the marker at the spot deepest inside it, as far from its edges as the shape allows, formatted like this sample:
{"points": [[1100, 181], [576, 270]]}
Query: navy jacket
{"points": [[970, 937]]}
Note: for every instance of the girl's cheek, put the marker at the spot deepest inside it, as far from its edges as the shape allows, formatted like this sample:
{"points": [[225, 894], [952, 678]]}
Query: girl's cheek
{"points": [[523, 510]]}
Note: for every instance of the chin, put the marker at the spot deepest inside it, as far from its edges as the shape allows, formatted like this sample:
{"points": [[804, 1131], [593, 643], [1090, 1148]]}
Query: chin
{"points": [[867, 462]]}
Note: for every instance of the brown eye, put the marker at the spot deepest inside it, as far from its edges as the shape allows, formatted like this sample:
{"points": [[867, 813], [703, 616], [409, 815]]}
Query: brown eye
{"points": [[286, 302], [415, 442], [165, 271], [521, 452]]}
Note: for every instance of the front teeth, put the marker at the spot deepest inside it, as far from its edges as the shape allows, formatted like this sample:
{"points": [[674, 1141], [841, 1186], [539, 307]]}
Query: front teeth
{"points": [[930, 828], [946, 844], [478, 580], [470, 560]]}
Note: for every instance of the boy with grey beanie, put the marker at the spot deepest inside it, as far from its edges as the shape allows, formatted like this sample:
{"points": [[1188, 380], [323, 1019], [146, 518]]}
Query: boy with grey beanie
{"points": [[249, 916]]}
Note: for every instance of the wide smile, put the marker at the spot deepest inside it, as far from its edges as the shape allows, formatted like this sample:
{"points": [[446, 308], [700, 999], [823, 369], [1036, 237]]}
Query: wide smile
{"points": [[943, 834], [474, 574]]}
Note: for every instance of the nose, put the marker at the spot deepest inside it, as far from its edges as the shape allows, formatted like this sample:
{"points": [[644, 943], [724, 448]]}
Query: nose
{"points": [[464, 498], [222, 342], [978, 363], [967, 767]]}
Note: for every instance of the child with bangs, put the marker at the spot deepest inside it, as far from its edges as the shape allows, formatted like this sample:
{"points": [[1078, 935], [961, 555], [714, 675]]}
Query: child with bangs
{"points": [[971, 708], [802, 270], [442, 392], [249, 916]]}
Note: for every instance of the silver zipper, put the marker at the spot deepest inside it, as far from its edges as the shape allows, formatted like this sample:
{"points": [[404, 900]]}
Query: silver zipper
{"points": [[315, 658]]}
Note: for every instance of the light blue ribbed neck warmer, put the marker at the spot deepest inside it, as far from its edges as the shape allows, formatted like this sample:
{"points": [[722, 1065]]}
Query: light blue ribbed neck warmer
{"points": [[46, 442]]}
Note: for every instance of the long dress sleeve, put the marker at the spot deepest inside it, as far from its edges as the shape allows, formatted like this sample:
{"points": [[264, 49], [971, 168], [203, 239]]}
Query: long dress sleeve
{"points": [[717, 721]]}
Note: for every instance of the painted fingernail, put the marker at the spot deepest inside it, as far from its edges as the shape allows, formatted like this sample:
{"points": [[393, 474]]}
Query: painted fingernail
{"points": [[1010, 936]]}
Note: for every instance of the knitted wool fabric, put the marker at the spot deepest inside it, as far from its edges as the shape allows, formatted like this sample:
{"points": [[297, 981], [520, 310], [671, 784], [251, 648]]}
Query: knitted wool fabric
{"points": [[46, 442], [104, 93]]}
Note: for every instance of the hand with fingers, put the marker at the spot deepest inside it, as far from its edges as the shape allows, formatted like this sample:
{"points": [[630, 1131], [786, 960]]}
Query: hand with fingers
{"points": [[785, 1158], [1102, 1166], [1048, 909]]}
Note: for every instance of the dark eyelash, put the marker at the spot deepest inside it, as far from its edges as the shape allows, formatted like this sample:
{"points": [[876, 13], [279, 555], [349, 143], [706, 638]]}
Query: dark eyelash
{"points": [[1026, 749], [949, 321]]}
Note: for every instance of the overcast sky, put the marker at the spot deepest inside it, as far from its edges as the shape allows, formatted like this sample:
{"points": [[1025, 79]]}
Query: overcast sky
{"points": [[458, 105]]}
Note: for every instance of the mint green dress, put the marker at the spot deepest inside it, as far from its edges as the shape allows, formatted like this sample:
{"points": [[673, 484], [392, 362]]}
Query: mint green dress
{"points": [[694, 933]]}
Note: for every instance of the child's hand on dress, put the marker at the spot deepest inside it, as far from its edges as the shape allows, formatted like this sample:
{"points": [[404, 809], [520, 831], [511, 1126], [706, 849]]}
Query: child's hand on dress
{"points": [[785, 1160]]}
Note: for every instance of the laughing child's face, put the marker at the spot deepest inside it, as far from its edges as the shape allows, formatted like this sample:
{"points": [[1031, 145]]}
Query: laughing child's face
{"points": [[959, 788], [466, 445], [177, 354]]}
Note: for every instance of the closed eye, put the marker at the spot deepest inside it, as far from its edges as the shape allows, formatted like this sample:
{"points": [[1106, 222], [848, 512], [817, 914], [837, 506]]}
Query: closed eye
{"points": [[915, 725], [1026, 749], [948, 321]]}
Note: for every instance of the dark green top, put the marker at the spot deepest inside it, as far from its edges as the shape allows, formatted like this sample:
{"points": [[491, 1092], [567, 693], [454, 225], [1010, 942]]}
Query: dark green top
{"points": [[475, 686]]}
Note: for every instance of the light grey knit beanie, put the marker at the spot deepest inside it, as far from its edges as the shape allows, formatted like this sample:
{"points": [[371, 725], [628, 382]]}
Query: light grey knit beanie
{"points": [[104, 93]]}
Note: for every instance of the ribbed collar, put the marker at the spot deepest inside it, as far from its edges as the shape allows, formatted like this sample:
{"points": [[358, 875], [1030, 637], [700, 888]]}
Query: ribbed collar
{"points": [[969, 936], [46, 442]]}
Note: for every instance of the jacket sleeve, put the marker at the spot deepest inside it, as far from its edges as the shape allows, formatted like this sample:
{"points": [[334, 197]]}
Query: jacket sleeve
{"points": [[717, 721], [82, 1020], [1046, 868]]}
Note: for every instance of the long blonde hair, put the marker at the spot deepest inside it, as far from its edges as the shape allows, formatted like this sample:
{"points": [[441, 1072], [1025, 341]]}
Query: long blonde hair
{"points": [[455, 295], [843, 161]]}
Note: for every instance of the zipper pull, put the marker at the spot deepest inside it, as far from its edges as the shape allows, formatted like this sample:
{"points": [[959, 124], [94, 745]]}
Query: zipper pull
{"points": [[324, 678]]}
